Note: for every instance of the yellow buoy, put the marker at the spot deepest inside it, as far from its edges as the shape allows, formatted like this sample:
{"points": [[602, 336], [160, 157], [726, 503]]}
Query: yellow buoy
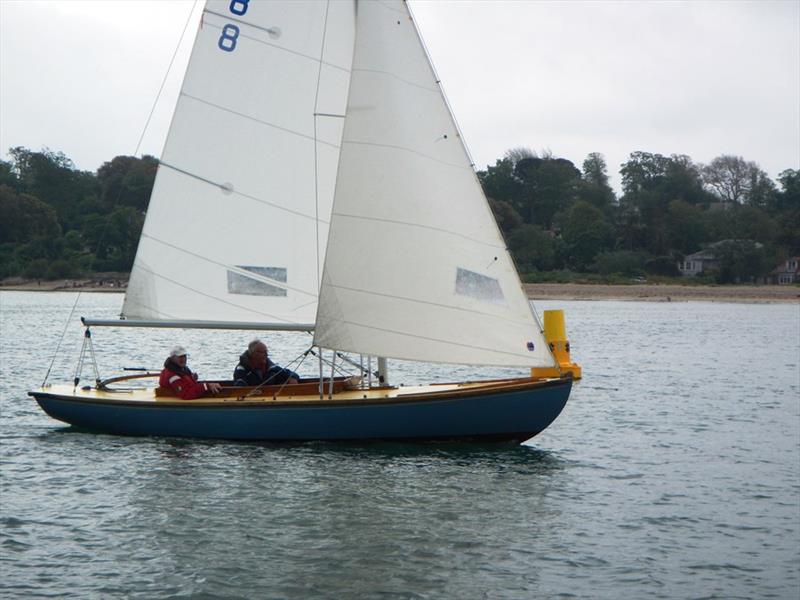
{"points": [[556, 335]]}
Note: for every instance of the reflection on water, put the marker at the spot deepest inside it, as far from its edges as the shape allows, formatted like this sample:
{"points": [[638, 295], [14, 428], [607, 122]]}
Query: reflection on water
{"points": [[417, 515], [674, 471]]}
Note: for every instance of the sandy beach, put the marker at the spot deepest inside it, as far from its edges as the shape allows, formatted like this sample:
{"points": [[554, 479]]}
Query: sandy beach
{"points": [[117, 284], [535, 291], [663, 293]]}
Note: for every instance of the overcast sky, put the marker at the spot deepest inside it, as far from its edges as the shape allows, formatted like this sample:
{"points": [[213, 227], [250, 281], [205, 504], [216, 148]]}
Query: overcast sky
{"points": [[701, 78]]}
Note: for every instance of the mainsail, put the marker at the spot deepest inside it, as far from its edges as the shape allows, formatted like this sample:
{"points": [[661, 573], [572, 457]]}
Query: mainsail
{"points": [[416, 267], [238, 219]]}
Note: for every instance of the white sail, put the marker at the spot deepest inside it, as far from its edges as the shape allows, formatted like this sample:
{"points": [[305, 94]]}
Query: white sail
{"points": [[238, 219], [416, 267]]}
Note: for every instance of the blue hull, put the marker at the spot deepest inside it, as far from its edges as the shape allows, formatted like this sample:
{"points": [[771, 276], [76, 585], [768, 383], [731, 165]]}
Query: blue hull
{"points": [[513, 415]]}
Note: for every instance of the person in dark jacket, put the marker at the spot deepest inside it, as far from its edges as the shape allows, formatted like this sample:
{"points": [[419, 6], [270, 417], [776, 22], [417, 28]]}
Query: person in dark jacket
{"points": [[180, 378], [255, 368]]}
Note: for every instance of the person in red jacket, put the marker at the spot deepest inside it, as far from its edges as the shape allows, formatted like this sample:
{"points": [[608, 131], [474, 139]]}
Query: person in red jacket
{"points": [[180, 378]]}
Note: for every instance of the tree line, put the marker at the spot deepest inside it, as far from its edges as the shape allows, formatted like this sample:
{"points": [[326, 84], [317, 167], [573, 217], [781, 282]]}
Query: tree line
{"points": [[558, 218], [59, 222]]}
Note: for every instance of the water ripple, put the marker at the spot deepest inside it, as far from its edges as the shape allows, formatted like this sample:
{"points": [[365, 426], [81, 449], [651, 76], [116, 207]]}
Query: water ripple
{"points": [[671, 474]]}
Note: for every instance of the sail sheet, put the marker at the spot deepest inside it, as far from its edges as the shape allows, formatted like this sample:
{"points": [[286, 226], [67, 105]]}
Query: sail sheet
{"points": [[238, 220], [416, 267]]}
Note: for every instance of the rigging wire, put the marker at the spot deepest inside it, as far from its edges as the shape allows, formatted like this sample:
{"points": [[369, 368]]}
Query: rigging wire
{"points": [[166, 75], [63, 333], [316, 154], [119, 193], [147, 122], [301, 360]]}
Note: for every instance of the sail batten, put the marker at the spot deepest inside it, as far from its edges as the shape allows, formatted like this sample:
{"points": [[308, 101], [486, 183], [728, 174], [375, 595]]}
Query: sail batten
{"points": [[272, 31], [445, 231], [261, 121], [222, 305], [375, 144], [468, 311], [467, 354], [225, 189]]}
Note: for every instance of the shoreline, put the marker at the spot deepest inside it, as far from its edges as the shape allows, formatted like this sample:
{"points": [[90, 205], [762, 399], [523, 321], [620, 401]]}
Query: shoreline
{"points": [[656, 292], [535, 291]]}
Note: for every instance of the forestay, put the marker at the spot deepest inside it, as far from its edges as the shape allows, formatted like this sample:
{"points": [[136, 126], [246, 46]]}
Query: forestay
{"points": [[238, 219], [416, 267]]}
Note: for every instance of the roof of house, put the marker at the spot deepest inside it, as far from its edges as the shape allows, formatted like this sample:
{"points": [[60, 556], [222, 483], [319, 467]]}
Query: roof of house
{"points": [[784, 266], [710, 252], [706, 254]]}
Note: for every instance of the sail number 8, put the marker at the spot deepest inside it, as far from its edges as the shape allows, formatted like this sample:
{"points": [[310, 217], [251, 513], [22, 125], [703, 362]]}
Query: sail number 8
{"points": [[230, 33]]}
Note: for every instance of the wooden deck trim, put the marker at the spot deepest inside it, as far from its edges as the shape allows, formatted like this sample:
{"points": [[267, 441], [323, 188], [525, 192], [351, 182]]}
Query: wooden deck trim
{"points": [[367, 397]]}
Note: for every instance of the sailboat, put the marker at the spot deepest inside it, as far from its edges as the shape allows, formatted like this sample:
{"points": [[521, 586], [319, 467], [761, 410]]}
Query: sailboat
{"points": [[314, 180]]}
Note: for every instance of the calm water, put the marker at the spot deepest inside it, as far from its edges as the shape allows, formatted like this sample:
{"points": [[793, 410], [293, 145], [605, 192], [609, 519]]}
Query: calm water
{"points": [[674, 472]]}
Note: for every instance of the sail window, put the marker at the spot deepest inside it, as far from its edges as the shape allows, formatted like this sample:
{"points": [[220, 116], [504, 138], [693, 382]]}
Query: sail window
{"points": [[479, 287], [239, 283]]}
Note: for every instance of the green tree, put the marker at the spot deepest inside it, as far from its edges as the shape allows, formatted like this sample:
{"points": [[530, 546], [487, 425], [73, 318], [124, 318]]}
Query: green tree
{"points": [[620, 262], [666, 178], [788, 198], [23, 217], [500, 184], [685, 227], [651, 182], [786, 210], [594, 187], [128, 181], [60, 269], [36, 268], [52, 177], [113, 238], [7, 175], [507, 218], [533, 248], [585, 233], [550, 186], [742, 261]]}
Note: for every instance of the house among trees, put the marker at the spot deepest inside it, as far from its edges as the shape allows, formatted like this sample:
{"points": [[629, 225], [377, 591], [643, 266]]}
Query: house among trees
{"points": [[721, 256], [787, 272], [698, 263]]}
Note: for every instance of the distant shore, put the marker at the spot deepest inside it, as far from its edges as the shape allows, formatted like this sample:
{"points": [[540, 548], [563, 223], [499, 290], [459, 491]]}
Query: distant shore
{"points": [[106, 284], [663, 292], [535, 291]]}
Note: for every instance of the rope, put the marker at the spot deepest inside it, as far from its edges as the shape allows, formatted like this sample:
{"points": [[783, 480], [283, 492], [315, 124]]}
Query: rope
{"points": [[94, 358], [316, 156], [300, 358], [105, 226], [63, 333], [79, 366], [147, 124], [164, 81]]}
